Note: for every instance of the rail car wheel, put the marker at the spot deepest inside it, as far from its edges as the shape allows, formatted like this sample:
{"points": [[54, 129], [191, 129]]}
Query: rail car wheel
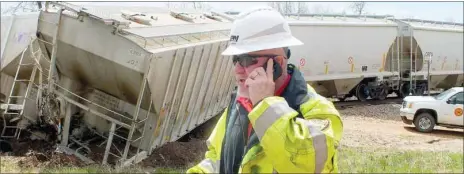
{"points": [[420, 90], [404, 90], [362, 92], [383, 92]]}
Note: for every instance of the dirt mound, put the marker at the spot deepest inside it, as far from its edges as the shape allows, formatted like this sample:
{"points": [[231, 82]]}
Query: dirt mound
{"points": [[178, 154], [39, 153]]}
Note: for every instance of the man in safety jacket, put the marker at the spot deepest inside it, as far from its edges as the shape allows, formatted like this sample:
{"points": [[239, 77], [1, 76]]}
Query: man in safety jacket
{"points": [[276, 122]]}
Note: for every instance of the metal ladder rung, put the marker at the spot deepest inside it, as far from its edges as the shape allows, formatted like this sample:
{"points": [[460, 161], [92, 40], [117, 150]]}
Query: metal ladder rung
{"points": [[15, 119], [141, 121], [22, 80], [137, 139], [22, 97], [114, 154], [26, 64], [45, 41], [11, 136], [17, 96], [13, 106], [10, 113]]}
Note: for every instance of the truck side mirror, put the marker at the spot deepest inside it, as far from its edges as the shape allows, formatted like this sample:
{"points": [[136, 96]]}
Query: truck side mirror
{"points": [[452, 101]]}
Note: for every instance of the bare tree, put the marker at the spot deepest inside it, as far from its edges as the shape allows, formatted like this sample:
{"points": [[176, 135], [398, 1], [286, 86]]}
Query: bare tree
{"points": [[277, 6], [358, 7], [168, 4], [26, 6], [302, 8], [289, 7], [201, 6], [320, 9], [449, 19]]}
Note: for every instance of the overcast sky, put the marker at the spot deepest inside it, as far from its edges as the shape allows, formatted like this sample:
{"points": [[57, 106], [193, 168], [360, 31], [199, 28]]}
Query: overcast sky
{"points": [[440, 11]]}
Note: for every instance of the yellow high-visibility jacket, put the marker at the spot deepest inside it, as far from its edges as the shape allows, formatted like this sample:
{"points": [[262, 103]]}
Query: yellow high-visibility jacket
{"points": [[289, 135]]}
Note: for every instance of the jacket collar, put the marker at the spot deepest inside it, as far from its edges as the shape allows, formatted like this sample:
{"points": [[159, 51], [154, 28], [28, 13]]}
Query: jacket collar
{"points": [[296, 92]]}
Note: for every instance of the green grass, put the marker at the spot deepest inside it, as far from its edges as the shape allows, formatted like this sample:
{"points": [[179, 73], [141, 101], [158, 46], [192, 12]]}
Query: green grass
{"points": [[363, 160], [100, 169]]}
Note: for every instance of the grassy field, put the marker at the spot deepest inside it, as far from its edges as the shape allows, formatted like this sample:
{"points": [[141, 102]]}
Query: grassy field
{"points": [[351, 160], [364, 160]]}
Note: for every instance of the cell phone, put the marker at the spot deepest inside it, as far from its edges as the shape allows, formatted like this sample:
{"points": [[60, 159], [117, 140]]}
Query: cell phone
{"points": [[277, 69]]}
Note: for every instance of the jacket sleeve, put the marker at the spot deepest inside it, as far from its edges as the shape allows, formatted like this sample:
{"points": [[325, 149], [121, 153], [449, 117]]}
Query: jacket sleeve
{"points": [[210, 164], [298, 145]]}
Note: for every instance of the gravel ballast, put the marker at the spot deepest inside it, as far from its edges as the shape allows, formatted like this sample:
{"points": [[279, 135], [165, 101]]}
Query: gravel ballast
{"points": [[383, 111]]}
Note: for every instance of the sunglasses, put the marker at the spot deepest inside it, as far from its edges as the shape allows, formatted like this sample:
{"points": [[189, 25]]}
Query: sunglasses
{"points": [[246, 60]]}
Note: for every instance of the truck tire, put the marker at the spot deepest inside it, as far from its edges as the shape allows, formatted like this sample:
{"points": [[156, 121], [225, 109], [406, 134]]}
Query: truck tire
{"points": [[424, 122]]}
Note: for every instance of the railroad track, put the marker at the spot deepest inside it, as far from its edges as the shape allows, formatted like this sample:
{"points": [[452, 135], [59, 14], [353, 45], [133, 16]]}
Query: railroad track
{"points": [[344, 104], [355, 102]]}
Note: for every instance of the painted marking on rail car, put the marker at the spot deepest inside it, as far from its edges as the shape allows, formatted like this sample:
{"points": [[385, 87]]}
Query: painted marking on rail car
{"points": [[364, 68], [443, 64], [458, 112], [383, 63], [350, 60], [302, 62], [161, 119], [326, 68], [134, 52], [133, 62], [352, 67], [21, 38]]}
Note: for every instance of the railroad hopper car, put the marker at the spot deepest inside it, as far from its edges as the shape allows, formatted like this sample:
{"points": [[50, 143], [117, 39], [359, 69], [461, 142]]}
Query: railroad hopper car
{"points": [[370, 56], [110, 60], [441, 42], [15, 38]]}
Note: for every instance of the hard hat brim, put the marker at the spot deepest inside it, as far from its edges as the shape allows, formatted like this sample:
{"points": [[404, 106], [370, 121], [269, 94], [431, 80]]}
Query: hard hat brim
{"points": [[241, 49]]}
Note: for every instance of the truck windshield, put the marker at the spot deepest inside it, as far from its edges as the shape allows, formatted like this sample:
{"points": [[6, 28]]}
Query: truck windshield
{"points": [[444, 94]]}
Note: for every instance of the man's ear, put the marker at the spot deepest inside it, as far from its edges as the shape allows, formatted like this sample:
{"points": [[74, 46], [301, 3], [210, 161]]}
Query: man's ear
{"points": [[280, 60]]}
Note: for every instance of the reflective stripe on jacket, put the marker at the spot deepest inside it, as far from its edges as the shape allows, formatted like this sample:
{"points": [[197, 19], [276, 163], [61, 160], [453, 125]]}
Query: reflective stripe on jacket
{"points": [[290, 136]]}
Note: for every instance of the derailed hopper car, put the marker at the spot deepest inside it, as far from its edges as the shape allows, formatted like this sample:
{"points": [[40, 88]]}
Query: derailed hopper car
{"points": [[147, 75], [15, 32]]}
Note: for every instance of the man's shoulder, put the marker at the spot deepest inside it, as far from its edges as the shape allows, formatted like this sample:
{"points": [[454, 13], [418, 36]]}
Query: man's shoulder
{"points": [[312, 93], [314, 97]]}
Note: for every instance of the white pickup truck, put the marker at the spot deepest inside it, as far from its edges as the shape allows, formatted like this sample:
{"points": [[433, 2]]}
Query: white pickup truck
{"points": [[445, 109]]}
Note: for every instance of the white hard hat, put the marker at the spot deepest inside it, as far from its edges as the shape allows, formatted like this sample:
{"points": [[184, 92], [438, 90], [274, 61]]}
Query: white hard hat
{"points": [[259, 29]]}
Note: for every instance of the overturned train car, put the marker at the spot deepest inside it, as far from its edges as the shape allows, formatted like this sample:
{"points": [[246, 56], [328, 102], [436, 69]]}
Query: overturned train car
{"points": [[134, 77]]}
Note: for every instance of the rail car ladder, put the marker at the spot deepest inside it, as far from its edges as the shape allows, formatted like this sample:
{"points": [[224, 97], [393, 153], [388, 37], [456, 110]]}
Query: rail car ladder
{"points": [[54, 44], [15, 110]]}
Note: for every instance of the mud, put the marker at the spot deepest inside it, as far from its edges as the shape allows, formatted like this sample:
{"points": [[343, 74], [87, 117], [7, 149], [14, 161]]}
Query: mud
{"points": [[177, 154], [38, 154]]}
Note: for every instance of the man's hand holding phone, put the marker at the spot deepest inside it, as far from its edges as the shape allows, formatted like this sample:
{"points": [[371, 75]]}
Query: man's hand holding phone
{"points": [[260, 82]]}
